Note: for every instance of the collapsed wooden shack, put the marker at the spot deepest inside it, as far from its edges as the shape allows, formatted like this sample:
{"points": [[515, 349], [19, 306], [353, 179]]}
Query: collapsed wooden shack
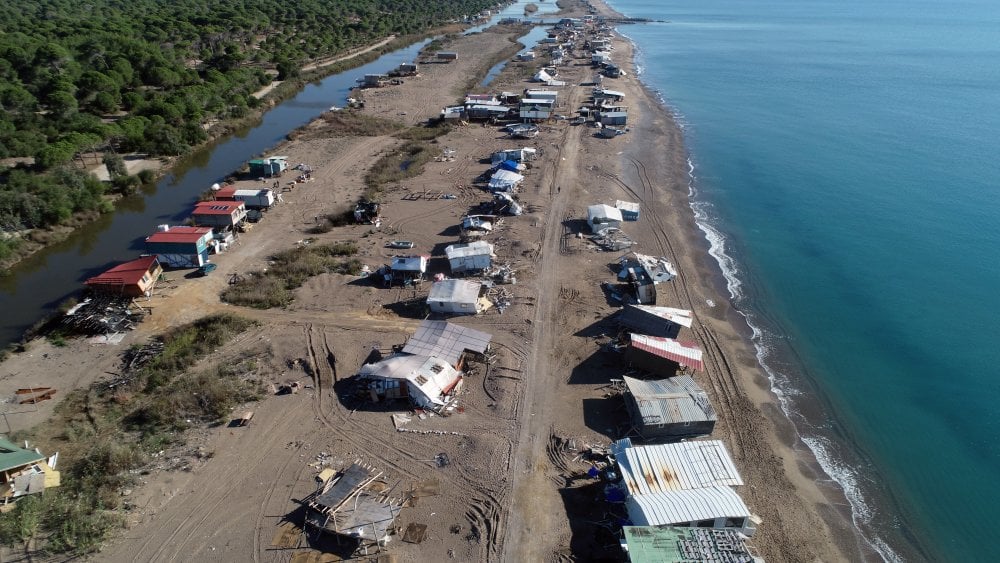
{"points": [[349, 505], [24, 472]]}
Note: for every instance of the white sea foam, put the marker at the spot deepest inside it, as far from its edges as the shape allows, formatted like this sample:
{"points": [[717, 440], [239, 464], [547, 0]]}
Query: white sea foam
{"points": [[781, 385]]}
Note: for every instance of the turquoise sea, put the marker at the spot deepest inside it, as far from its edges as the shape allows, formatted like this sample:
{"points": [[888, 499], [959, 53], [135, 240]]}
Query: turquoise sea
{"points": [[845, 167]]}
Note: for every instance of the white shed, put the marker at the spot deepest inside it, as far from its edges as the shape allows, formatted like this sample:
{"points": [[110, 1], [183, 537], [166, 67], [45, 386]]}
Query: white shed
{"points": [[601, 217], [470, 256], [457, 297]]}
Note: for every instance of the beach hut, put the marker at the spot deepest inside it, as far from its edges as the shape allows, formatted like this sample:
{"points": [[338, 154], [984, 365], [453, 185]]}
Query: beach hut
{"points": [[219, 214], [408, 269], [668, 409], [662, 356], [536, 94], [613, 118], [665, 322], [268, 167], [24, 472], [456, 297], [601, 217], [525, 154], [449, 341], [255, 198], [134, 278], [486, 111], [429, 382], [469, 256], [505, 181], [682, 466], [180, 247], [347, 505], [629, 209]]}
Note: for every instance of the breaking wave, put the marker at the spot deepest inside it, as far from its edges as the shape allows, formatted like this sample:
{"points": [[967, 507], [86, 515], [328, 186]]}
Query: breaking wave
{"points": [[781, 384]]}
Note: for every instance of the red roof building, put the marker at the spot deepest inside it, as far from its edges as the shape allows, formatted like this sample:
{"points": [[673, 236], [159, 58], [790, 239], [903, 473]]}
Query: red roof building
{"points": [[228, 193], [219, 214], [663, 356], [180, 235], [135, 278]]}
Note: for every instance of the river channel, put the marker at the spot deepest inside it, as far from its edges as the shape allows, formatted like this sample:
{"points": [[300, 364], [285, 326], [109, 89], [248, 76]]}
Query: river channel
{"points": [[36, 286]]}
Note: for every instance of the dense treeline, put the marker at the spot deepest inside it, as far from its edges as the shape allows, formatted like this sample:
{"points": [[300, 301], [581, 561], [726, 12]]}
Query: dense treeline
{"points": [[145, 75]]}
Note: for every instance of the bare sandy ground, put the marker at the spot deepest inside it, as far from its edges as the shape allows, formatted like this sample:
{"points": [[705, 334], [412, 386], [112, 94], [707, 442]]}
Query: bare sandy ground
{"points": [[508, 493]]}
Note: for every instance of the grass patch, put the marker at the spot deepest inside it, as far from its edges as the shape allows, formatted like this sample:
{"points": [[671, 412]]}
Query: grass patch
{"points": [[426, 132], [346, 123], [406, 161], [101, 445], [287, 271]]}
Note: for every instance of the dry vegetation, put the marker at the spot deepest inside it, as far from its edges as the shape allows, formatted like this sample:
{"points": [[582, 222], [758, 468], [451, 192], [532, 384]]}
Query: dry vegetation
{"points": [[108, 431], [287, 271]]}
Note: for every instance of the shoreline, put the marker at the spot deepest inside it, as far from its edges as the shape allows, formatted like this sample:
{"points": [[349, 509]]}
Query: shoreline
{"points": [[836, 470], [758, 433], [807, 471]]}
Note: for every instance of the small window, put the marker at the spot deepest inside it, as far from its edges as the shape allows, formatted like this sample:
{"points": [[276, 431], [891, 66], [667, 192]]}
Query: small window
{"points": [[437, 368], [420, 380]]}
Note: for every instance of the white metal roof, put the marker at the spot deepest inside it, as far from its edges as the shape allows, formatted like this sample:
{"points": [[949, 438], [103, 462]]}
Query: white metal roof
{"points": [[462, 250], [454, 291], [675, 467], [505, 178], [433, 377], [627, 206], [658, 268], [447, 341], [251, 193], [681, 317], [409, 263], [681, 507], [601, 211]]}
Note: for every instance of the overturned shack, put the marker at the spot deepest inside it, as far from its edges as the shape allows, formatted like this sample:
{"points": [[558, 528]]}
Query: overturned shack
{"points": [[347, 506]]}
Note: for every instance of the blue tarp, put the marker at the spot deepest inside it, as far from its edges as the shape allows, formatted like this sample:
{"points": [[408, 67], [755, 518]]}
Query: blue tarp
{"points": [[509, 165]]}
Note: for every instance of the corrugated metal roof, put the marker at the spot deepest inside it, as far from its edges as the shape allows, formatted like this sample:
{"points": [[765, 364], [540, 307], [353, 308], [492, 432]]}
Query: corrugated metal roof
{"points": [[684, 353], [446, 340], [454, 291], [217, 207], [461, 250], [180, 234], [127, 273], [680, 466], [670, 401], [681, 507]]}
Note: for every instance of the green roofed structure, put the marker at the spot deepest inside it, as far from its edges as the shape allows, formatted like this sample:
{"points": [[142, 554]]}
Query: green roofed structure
{"points": [[646, 544], [24, 472], [13, 456]]}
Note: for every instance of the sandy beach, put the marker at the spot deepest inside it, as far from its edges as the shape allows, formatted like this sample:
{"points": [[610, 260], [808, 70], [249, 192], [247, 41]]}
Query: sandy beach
{"points": [[507, 494]]}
